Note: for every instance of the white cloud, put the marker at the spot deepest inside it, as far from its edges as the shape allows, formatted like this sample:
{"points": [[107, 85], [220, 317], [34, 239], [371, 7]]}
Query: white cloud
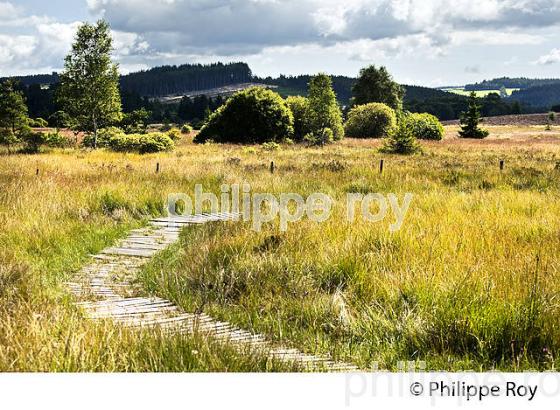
{"points": [[552, 57]]}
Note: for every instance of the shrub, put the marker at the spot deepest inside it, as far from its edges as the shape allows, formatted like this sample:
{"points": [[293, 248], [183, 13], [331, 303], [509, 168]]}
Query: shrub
{"points": [[33, 141], [270, 146], [57, 140], [38, 123], [299, 106], [155, 142], [142, 143], [186, 129], [373, 120], [321, 137], [255, 115], [425, 126], [174, 134], [104, 137], [401, 141]]}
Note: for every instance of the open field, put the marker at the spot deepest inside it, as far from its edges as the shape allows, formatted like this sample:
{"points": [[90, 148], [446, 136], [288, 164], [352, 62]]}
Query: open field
{"points": [[479, 93], [471, 281]]}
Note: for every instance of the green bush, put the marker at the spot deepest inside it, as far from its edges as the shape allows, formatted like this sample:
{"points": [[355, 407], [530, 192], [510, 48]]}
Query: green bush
{"points": [[155, 142], [299, 106], [104, 137], [38, 123], [33, 141], [186, 129], [321, 137], [373, 120], [174, 134], [142, 143], [57, 140], [252, 116], [425, 126]]}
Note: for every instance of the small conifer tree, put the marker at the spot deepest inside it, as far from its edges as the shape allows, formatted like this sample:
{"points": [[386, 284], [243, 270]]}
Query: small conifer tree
{"points": [[402, 141], [470, 120]]}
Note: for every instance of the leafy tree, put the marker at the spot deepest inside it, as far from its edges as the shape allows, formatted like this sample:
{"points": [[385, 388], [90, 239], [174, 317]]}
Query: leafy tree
{"points": [[470, 120], [89, 85], [300, 110], [254, 115], [324, 111], [373, 120], [13, 110], [402, 141], [377, 85]]}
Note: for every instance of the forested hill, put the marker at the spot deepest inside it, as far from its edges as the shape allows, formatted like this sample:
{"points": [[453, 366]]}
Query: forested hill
{"points": [[540, 96], [170, 80], [39, 79], [507, 82]]}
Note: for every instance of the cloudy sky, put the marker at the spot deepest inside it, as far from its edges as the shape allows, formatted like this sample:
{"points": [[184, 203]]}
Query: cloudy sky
{"points": [[427, 42]]}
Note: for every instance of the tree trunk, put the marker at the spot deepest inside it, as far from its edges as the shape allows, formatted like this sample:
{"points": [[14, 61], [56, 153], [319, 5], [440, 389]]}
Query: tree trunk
{"points": [[94, 132]]}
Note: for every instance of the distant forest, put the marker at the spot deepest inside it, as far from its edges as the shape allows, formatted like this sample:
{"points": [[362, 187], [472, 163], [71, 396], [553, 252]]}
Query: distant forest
{"points": [[170, 80], [506, 82], [138, 90]]}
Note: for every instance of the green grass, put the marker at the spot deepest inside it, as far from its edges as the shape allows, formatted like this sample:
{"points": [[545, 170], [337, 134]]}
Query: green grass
{"points": [[470, 282], [479, 93]]}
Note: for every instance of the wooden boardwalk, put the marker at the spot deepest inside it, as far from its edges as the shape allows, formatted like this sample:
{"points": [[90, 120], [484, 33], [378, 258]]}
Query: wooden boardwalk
{"points": [[104, 291]]}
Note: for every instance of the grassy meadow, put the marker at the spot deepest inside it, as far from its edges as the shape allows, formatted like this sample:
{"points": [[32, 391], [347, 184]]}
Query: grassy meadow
{"points": [[471, 281], [479, 93]]}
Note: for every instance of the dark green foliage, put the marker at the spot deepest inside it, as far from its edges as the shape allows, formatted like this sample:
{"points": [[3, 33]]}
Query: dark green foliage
{"points": [[541, 96], [166, 80], [33, 141], [300, 110], [320, 137], [38, 123], [506, 82], [470, 120], [13, 110], [324, 111], [298, 86], [135, 121], [377, 85], [402, 141], [373, 120], [197, 109], [252, 116], [424, 126]]}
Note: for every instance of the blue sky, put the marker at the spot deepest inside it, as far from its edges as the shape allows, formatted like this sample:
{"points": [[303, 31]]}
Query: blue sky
{"points": [[426, 42]]}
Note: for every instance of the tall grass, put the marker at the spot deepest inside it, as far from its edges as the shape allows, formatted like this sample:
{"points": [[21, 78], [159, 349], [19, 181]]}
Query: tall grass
{"points": [[469, 282]]}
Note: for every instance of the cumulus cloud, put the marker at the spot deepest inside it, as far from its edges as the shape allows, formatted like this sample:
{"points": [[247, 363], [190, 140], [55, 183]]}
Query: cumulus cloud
{"points": [[153, 32], [46, 41], [248, 26], [550, 58]]}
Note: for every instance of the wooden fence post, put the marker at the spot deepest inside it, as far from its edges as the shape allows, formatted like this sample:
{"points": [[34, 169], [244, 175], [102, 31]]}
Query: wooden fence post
{"points": [[502, 162], [381, 166], [157, 168], [272, 167], [37, 172]]}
